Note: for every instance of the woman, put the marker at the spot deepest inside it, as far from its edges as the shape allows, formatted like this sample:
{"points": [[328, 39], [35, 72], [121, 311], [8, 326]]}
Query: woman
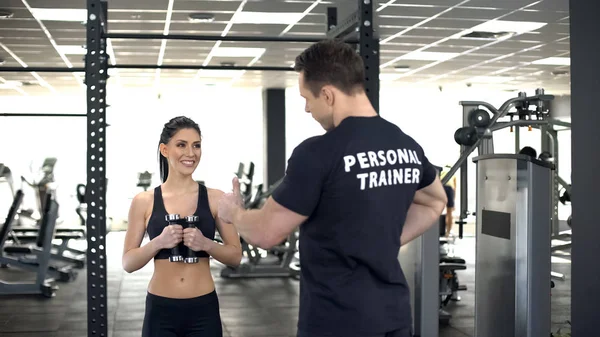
{"points": [[181, 299]]}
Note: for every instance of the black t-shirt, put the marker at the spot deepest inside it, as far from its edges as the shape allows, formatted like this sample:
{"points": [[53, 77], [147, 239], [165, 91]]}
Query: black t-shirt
{"points": [[355, 183]]}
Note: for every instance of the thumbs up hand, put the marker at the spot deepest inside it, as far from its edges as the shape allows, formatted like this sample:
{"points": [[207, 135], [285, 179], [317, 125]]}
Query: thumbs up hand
{"points": [[230, 203]]}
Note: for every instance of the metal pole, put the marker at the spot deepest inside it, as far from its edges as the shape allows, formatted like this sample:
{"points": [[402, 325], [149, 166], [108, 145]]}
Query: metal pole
{"points": [[95, 78], [40, 115], [41, 69], [183, 66], [331, 18], [145, 66], [232, 38], [369, 50]]}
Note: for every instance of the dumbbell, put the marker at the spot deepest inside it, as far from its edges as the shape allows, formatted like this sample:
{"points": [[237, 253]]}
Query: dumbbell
{"points": [[191, 222], [174, 219]]}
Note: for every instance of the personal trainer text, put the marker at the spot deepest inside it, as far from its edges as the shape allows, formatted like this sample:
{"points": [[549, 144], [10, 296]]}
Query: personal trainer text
{"points": [[391, 176]]}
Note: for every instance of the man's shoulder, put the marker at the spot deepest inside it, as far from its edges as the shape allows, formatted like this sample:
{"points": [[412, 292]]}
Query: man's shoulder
{"points": [[311, 145]]}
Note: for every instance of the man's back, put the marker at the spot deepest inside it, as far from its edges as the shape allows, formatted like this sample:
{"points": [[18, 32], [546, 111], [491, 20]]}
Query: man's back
{"points": [[364, 173]]}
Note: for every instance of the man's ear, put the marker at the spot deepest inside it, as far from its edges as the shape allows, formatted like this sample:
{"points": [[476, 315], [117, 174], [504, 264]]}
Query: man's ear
{"points": [[328, 94]]}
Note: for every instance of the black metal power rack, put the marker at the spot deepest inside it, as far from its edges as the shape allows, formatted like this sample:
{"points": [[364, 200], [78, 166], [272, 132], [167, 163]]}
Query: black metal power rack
{"points": [[357, 28]]}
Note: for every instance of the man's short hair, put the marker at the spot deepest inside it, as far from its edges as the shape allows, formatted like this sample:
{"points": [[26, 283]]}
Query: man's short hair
{"points": [[331, 62]]}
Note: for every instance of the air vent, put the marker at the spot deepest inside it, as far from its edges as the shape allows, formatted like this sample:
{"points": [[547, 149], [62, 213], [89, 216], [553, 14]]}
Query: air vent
{"points": [[201, 17], [6, 14], [560, 73], [486, 35], [401, 68], [228, 64]]}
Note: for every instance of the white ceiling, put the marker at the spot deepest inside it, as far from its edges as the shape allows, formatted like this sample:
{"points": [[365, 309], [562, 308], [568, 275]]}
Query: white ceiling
{"points": [[34, 36]]}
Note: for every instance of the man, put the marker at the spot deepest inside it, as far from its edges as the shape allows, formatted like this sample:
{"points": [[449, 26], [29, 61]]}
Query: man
{"points": [[359, 191], [450, 189]]}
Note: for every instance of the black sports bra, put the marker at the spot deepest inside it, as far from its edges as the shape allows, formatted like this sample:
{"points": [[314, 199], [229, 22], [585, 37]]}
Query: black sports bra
{"points": [[157, 221]]}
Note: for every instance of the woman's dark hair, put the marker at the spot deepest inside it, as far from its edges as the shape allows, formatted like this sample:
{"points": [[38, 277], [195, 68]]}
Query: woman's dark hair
{"points": [[170, 129]]}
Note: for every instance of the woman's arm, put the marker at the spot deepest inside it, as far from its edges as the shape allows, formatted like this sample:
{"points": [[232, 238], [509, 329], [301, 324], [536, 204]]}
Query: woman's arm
{"points": [[230, 252], [134, 256]]}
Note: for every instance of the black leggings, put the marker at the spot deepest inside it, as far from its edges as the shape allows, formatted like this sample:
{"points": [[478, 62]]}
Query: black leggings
{"points": [[395, 333], [190, 317]]}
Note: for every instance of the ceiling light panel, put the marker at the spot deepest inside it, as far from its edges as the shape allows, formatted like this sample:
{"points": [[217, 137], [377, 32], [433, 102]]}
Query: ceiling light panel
{"points": [[266, 18], [238, 52], [218, 73], [413, 12], [288, 6], [517, 27], [558, 61], [138, 15], [72, 49], [60, 14]]}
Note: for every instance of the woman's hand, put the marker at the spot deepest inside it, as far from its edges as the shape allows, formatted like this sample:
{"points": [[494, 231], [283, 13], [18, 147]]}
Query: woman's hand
{"points": [[170, 236], [195, 240]]}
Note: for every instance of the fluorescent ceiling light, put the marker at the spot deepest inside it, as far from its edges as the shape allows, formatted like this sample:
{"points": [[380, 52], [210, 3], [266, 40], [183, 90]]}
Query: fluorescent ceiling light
{"points": [[265, 18], [11, 85], [237, 52], [499, 26], [428, 56], [219, 73], [59, 14], [554, 61], [490, 79], [388, 76], [71, 50]]}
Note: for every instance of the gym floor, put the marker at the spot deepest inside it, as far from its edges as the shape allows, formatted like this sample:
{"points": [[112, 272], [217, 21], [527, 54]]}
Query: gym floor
{"points": [[249, 307]]}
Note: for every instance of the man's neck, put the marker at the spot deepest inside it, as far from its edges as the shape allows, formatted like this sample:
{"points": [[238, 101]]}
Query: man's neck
{"points": [[358, 106]]}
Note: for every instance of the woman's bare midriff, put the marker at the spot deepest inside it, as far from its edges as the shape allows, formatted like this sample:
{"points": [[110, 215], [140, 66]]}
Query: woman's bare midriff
{"points": [[181, 280]]}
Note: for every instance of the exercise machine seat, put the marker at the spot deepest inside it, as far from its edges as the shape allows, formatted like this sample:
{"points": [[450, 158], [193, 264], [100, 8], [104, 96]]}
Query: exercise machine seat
{"points": [[452, 266], [18, 250], [448, 259]]}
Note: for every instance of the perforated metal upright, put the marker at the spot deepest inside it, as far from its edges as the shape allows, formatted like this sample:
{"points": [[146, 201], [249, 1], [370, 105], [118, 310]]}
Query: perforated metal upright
{"points": [[369, 50], [361, 21], [96, 74]]}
